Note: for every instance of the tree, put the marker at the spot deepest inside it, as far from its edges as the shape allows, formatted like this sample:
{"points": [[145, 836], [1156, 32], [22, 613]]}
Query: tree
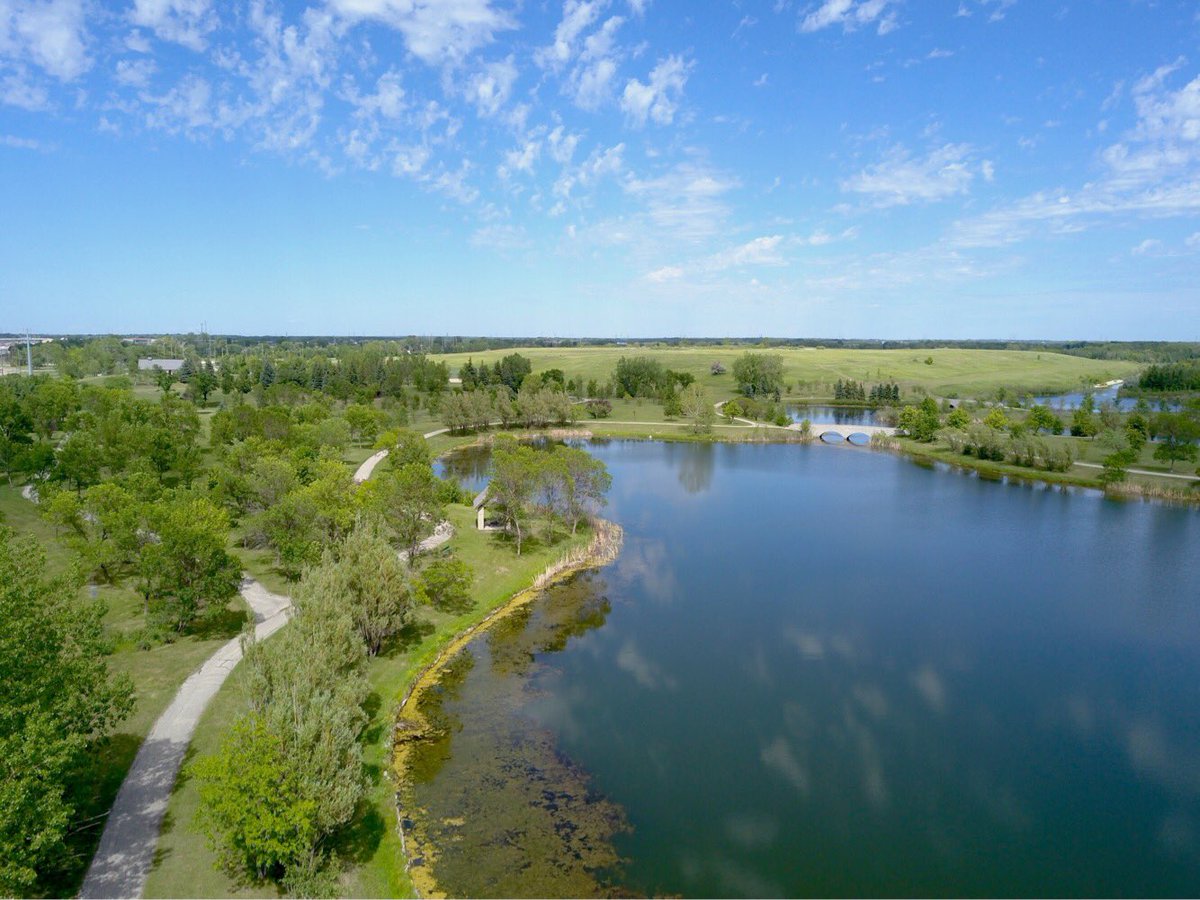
{"points": [[364, 421], [958, 418], [513, 483], [446, 584], [409, 501], [372, 582], [1177, 435], [996, 418], [511, 371], [186, 571], [164, 379], [587, 481], [732, 409], [921, 422], [409, 447], [57, 697], [1041, 417], [759, 374], [254, 808], [696, 405], [1083, 422]]}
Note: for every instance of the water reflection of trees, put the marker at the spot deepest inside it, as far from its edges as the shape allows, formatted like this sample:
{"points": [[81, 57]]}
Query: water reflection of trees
{"points": [[567, 610], [696, 463]]}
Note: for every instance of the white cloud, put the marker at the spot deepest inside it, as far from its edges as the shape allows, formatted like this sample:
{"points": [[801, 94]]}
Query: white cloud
{"points": [[590, 81], [186, 22], [659, 98], [435, 31], [899, 179], [1152, 172], [135, 72], [18, 90], [686, 203], [562, 144], [501, 237], [578, 16], [186, 107], [849, 14], [664, 274], [1193, 240], [49, 34], [387, 101], [490, 88], [1146, 247], [20, 143], [521, 159], [762, 251]]}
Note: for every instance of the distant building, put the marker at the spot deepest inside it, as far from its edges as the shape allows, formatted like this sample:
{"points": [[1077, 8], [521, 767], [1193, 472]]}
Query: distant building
{"points": [[167, 365]]}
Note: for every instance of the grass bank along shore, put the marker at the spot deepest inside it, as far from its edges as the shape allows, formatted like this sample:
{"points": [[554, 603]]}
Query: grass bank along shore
{"points": [[410, 725]]}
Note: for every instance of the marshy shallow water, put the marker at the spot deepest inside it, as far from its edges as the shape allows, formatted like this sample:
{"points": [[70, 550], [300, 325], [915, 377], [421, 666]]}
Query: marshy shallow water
{"points": [[824, 671]]}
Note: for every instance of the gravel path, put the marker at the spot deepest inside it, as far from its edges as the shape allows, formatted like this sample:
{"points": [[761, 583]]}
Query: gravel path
{"points": [[126, 850]]}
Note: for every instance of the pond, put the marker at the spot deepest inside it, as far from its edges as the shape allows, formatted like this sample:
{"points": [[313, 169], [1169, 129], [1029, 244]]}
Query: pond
{"points": [[823, 672], [1101, 396], [837, 415]]}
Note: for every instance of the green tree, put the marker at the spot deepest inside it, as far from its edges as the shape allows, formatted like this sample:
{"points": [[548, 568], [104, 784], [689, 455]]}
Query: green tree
{"points": [[186, 571], [446, 584], [1177, 435], [696, 405], [57, 698], [958, 418], [254, 808], [759, 374], [996, 419], [1041, 417], [921, 422], [513, 483], [371, 581], [587, 482], [409, 447], [410, 503], [1083, 421]]}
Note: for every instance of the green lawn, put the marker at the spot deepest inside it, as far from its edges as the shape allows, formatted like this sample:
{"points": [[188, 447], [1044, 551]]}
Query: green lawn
{"points": [[812, 371], [185, 865]]}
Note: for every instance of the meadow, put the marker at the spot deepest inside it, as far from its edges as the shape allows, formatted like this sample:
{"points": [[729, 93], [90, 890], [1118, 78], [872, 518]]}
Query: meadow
{"points": [[812, 372]]}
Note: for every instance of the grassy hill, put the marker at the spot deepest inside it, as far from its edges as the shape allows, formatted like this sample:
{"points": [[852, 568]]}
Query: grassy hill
{"points": [[813, 371]]}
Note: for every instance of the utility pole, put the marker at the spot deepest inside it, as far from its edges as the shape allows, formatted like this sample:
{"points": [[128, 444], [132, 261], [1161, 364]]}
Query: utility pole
{"points": [[28, 353]]}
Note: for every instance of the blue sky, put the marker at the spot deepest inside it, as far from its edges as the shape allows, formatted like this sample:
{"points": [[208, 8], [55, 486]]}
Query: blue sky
{"points": [[840, 168]]}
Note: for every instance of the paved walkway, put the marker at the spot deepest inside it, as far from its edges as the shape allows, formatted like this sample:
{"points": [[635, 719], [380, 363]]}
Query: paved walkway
{"points": [[1090, 465], [126, 850]]}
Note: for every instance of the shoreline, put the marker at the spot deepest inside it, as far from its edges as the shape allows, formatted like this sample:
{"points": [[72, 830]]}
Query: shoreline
{"points": [[409, 726]]}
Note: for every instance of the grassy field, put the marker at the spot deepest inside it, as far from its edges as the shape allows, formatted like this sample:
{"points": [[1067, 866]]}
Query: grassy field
{"points": [[813, 371], [185, 865], [156, 674]]}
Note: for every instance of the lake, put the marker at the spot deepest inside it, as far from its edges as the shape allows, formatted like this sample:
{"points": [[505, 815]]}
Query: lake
{"points": [[1102, 396], [827, 671], [837, 415]]}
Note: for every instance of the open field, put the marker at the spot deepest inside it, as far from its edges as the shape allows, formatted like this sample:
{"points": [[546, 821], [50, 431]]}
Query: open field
{"points": [[184, 866], [812, 371]]}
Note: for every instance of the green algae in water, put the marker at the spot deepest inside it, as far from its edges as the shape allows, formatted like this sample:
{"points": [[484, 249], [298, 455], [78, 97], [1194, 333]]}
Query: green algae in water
{"points": [[502, 810]]}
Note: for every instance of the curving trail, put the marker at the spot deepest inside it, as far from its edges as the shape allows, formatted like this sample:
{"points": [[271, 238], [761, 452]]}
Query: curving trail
{"points": [[127, 846]]}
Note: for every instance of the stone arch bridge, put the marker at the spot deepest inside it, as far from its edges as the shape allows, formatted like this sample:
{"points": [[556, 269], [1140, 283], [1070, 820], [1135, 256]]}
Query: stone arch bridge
{"points": [[820, 429]]}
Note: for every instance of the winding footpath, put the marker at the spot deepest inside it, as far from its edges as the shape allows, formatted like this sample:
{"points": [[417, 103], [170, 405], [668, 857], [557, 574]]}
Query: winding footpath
{"points": [[126, 850]]}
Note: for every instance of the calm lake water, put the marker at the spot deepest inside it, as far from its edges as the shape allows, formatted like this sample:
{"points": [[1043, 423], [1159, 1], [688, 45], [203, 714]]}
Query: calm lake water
{"points": [[825, 671], [838, 415], [1101, 396]]}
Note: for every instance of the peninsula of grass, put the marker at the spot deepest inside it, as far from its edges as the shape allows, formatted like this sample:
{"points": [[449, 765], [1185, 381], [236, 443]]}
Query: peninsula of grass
{"points": [[186, 867]]}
